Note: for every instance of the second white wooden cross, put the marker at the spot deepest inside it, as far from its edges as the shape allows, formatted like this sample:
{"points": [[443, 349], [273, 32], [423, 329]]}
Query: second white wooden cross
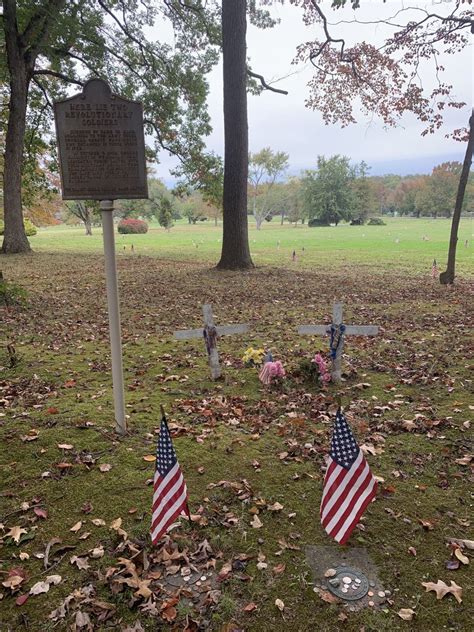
{"points": [[339, 331], [210, 333]]}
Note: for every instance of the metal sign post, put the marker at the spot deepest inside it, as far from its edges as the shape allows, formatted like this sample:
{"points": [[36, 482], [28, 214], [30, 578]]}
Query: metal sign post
{"points": [[102, 157], [107, 210]]}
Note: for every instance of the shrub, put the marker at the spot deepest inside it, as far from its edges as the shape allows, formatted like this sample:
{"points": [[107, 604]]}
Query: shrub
{"points": [[30, 228], [317, 222], [376, 221], [132, 227]]}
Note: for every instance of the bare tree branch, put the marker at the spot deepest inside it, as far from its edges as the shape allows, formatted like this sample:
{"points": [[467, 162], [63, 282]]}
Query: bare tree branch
{"points": [[58, 75], [265, 85]]}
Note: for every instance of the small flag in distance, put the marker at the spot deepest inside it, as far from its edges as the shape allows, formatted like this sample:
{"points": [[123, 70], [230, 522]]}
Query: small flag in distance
{"points": [[349, 486]]}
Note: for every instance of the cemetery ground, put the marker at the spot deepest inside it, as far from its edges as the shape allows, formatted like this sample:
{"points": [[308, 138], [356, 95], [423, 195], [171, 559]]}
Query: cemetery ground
{"points": [[75, 499]]}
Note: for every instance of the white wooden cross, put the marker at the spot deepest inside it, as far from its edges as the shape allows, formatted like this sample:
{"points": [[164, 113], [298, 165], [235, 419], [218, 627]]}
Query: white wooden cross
{"points": [[350, 330], [210, 334]]}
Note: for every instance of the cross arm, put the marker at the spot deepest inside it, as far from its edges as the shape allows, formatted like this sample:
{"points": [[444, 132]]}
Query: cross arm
{"points": [[361, 330], [187, 334], [223, 330]]}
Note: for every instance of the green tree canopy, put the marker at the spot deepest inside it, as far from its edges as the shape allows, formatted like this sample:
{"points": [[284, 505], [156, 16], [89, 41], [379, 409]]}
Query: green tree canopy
{"points": [[327, 191]]}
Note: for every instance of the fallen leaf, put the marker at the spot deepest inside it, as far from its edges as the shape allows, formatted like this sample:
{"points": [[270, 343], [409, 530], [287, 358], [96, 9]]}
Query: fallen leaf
{"points": [[256, 522], [441, 589], [98, 522], [461, 557], [16, 533], [406, 614], [105, 467], [279, 604], [250, 607], [54, 579], [24, 556], [82, 619], [65, 446], [169, 614], [279, 569], [13, 581], [97, 552], [41, 513], [75, 528], [275, 507], [80, 562], [21, 599], [39, 588]]}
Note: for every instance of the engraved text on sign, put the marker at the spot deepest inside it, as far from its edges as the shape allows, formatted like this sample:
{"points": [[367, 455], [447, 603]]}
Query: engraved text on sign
{"points": [[101, 145]]}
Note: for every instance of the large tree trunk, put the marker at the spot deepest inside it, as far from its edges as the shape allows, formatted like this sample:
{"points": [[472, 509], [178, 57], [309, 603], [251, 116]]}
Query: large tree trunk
{"points": [[14, 239], [235, 243], [447, 277]]}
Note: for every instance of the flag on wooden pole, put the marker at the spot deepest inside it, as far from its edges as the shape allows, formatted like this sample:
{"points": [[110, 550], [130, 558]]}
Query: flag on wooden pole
{"points": [[348, 484], [434, 269], [170, 496]]}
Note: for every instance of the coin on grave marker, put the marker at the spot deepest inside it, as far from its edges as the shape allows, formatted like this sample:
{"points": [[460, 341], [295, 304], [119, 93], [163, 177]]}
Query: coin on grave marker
{"points": [[330, 572], [347, 580], [344, 589], [381, 593], [371, 603]]}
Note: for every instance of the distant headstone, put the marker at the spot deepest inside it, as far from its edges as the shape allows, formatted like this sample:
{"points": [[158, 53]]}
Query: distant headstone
{"points": [[101, 145]]}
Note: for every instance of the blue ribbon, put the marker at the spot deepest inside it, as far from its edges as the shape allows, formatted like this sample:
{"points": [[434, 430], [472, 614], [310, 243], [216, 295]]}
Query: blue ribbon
{"points": [[337, 334]]}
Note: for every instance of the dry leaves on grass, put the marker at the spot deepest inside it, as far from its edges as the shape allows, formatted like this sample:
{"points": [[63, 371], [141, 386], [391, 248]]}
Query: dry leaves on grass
{"points": [[16, 533], [441, 589], [406, 614]]}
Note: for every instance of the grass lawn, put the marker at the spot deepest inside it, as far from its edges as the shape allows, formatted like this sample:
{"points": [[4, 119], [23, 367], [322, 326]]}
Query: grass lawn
{"points": [[408, 394], [398, 243]]}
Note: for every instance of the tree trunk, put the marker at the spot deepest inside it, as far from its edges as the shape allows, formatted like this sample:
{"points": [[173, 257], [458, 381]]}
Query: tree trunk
{"points": [[282, 218], [88, 226], [14, 240], [447, 277], [235, 242]]}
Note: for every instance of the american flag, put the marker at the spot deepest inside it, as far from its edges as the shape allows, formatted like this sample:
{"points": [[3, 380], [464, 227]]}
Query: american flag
{"points": [[434, 269], [170, 496], [348, 484]]}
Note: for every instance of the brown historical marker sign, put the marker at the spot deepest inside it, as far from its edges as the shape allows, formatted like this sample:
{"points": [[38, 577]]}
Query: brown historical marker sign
{"points": [[101, 145]]}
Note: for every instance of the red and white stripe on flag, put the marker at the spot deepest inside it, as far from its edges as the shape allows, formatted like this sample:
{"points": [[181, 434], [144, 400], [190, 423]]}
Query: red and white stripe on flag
{"points": [[170, 496], [349, 486]]}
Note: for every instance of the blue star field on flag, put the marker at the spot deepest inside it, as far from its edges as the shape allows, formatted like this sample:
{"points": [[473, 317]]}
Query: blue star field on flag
{"points": [[344, 448], [165, 454]]}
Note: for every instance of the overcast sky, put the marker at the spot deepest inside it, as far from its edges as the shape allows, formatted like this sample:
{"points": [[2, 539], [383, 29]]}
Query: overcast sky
{"points": [[283, 122]]}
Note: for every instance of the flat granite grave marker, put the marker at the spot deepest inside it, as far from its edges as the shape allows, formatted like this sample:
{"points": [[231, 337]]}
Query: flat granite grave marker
{"points": [[210, 333], [341, 330], [349, 575]]}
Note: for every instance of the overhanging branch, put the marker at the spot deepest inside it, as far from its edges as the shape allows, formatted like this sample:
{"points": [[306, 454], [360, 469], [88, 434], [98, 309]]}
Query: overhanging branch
{"points": [[265, 85], [58, 75]]}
